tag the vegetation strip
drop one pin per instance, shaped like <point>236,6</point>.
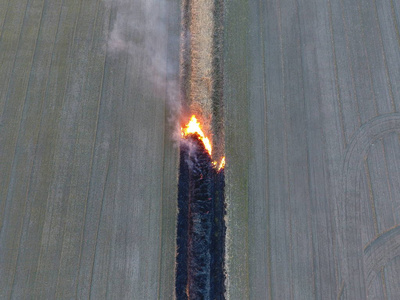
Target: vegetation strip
<point>200,272</point>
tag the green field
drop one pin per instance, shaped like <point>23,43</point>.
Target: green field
<point>88,168</point>
<point>88,163</point>
<point>311,94</point>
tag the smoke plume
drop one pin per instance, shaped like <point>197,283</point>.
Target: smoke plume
<point>149,30</point>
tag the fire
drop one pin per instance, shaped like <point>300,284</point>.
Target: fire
<point>222,164</point>
<point>193,127</point>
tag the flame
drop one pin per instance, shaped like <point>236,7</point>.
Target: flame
<point>222,164</point>
<point>193,127</point>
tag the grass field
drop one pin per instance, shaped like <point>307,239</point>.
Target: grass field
<point>88,168</point>
<point>311,136</point>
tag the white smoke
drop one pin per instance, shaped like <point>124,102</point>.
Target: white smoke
<point>141,29</point>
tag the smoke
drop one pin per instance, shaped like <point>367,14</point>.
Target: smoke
<point>149,30</point>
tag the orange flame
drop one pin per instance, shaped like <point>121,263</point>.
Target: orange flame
<point>193,127</point>
<point>222,164</point>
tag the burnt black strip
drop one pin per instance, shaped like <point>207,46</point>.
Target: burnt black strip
<point>218,237</point>
<point>201,228</point>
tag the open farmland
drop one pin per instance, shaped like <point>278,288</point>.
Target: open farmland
<point>311,94</point>
<point>309,91</point>
<point>88,172</point>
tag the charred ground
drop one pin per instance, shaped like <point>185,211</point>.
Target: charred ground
<point>201,227</point>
